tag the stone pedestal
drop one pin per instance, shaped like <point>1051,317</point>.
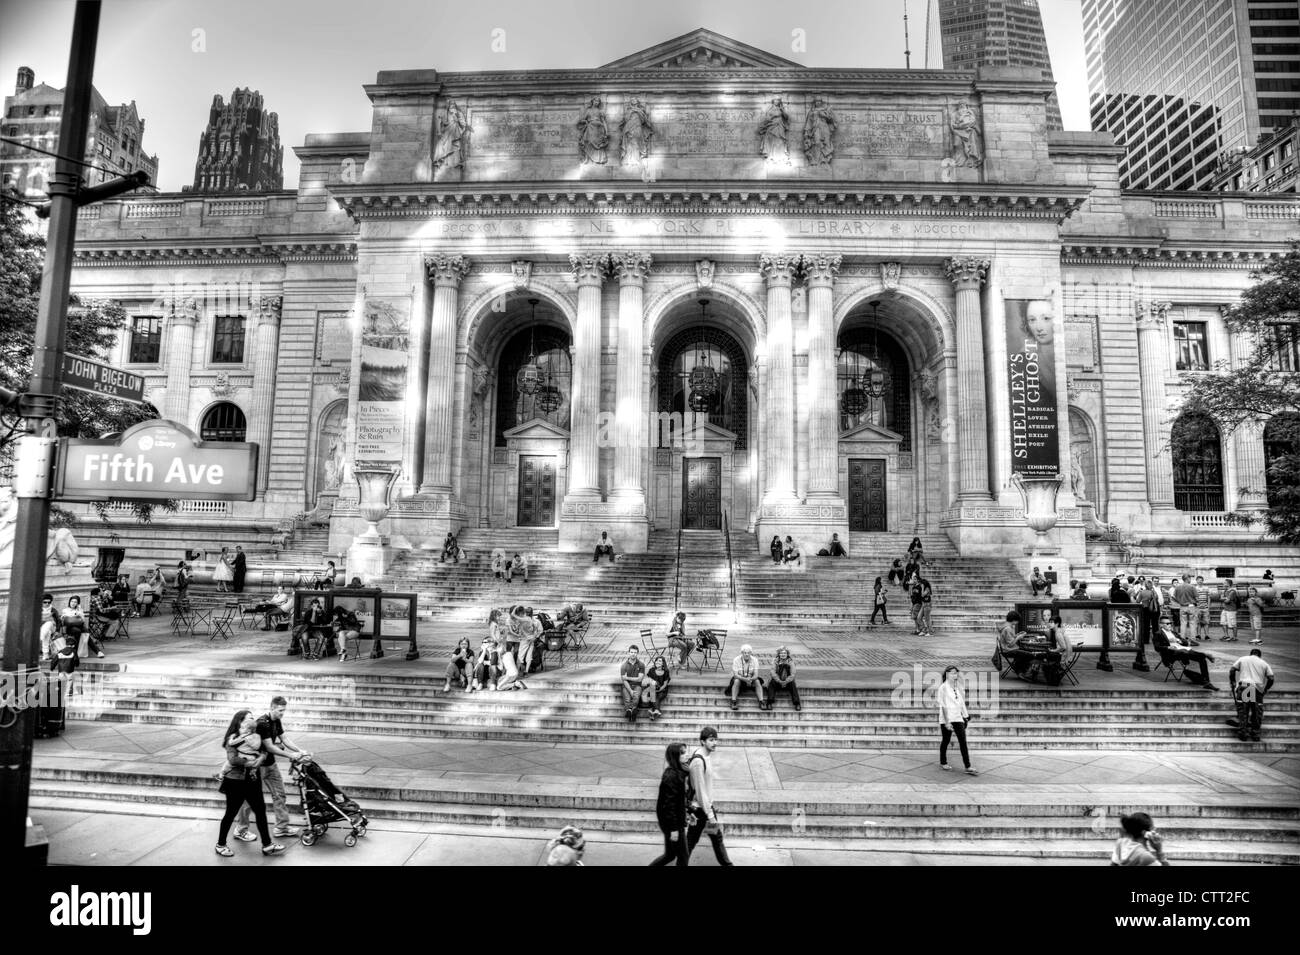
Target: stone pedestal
<point>582,521</point>
<point>811,524</point>
<point>369,558</point>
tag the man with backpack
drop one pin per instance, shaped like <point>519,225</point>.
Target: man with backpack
<point>702,814</point>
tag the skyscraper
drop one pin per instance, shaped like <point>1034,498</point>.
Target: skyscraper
<point>996,33</point>
<point>240,148</point>
<point>114,141</point>
<point>1179,82</point>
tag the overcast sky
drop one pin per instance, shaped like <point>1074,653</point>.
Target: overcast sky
<point>310,57</point>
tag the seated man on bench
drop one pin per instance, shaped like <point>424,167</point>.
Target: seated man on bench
<point>1166,642</point>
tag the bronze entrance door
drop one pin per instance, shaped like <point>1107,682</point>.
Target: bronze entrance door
<point>536,490</point>
<point>867,494</point>
<point>702,493</point>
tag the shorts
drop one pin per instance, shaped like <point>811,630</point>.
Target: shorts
<point>1228,619</point>
<point>1256,622</point>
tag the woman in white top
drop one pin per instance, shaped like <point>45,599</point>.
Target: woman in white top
<point>953,717</point>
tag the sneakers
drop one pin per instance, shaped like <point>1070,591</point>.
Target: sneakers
<point>1253,641</point>
<point>100,654</point>
<point>446,687</point>
<point>945,767</point>
<point>1209,686</point>
<point>243,835</point>
<point>227,851</point>
<point>274,849</point>
<point>284,832</point>
<point>971,772</point>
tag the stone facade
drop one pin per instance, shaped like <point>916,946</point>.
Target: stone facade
<point>538,245</point>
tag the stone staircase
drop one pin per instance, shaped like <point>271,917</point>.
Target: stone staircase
<point>564,707</point>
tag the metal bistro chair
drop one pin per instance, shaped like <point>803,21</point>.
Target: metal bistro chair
<point>223,621</point>
<point>1068,662</point>
<point>124,611</point>
<point>181,612</point>
<point>648,643</point>
<point>710,650</point>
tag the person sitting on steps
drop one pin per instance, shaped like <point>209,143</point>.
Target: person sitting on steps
<point>790,553</point>
<point>632,680</point>
<point>744,676</point>
<point>837,549</point>
<point>460,667</point>
<point>782,678</point>
<point>516,565</point>
<point>776,549</point>
<point>1038,582</point>
<point>604,546</point>
<point>896,575</point>
<point>658,678</point>
<point>450,548</point>
<point>915,552</point>
<point>486,665</point>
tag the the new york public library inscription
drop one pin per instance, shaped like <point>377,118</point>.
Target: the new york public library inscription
<point>683,130</point>
<point>756,227</point>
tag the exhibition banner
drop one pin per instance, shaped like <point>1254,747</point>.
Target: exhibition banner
<point>1031,379</point>
<point>385,364</point>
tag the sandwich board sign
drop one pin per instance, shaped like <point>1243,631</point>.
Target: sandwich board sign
<point>156,461</point>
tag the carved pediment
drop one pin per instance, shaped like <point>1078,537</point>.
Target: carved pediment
<point>703,50</point>
<point>707,436</point>
<point>536,429</point>
<point>871,432</point>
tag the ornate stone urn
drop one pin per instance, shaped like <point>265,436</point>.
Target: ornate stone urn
<point>374,484</point>
<point>1040,504</point>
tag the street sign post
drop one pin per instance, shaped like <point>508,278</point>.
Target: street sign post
<point>156,461</point>
<point>100,379</point>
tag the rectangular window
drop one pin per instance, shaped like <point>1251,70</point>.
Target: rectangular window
<point>1190,353</point>
<point>228,340</point>
<point>1285,341</point>
<point>146,339</point>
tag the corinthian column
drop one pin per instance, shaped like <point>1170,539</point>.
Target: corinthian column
<point>631,269</point>
<point>180,352</point>
<point>262,410</point>
<point>778,271</point>
<point>967,275</point>
<point>445,272</point>
<point>1248,439</point>
<point>1153,365</point>
<point>823,433</point>
<point>589,269</point>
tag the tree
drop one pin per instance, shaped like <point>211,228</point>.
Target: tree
<point>92,329</point>
<point>1264,389</point>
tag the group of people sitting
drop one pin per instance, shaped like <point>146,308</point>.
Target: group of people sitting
<point>1030,655</point>
<point>642,687</point>
<point>322,633</point>
<point>511,649</point>
<point>66,635</point>
<point>787,551</point>
<point>507,568</point>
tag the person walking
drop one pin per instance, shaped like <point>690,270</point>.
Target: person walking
<point>953,718</point>
<point>704,821</point>
<point>1139,843</point>
<point>222,574</point>
<point>274,743</point>
<point>878,602</point>
<point>670,808</point>
<point>1250,678</point>
<point>914,594</point>
<point>927,604</point>
<point>241,784</point>
<point>240,569</point>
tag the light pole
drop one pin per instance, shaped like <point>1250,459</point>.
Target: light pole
<point>36,448</point>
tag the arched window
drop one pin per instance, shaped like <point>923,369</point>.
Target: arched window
<point>727,405</point>
<point>223,422</point>
<point>862,351</point>
<point>1198,464</point>
<point>1281,455</point>
<point>549,347</point>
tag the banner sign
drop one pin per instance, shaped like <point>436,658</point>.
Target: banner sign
<point>1031,378</point>
<point>381,409</point>
<point>156,461</point>
<point>100,379</point>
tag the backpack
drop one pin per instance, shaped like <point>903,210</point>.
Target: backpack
<point>545,621</point>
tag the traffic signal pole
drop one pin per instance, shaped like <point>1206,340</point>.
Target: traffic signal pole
<point>35,460</point>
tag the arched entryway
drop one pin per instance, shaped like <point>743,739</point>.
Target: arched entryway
<point>517,418</point>
<point>1198,463</point>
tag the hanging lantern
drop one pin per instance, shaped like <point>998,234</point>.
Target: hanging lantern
<point>854,401</point>
<point>873,382</point>
<point>699,403</point>
<point>703,379</point>
<point>530,376</point>
<point>548,399</point>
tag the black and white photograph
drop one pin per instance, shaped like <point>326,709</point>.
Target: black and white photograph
<point>550,433</point>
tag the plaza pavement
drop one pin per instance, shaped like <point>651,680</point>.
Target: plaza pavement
<point>149,834</point>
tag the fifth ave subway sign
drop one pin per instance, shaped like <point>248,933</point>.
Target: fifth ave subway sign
<point>156,461</point>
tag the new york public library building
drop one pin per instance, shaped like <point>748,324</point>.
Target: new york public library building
<point>701,280</point>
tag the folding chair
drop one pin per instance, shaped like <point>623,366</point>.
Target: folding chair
<point>1067,666</point>
<point>577,634</point>
<point>181,611</point>
<point>200,618</point>
<point>1003,663</point>
<point>245,606</point>
<point>98,627</point>
<point>1173,666</point>
<point>123,608</point>
<point>648,643</point>
<point>708,650</point>
<point>223,623</point>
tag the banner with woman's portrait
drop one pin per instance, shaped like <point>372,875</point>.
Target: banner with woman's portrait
<point>381,408</point>
<point>1031,380</point>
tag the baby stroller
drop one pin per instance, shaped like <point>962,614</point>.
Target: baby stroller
<point>323,803</point>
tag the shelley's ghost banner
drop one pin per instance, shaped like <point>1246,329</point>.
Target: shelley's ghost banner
<point>381,410</point>
<point>1031,378</point>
